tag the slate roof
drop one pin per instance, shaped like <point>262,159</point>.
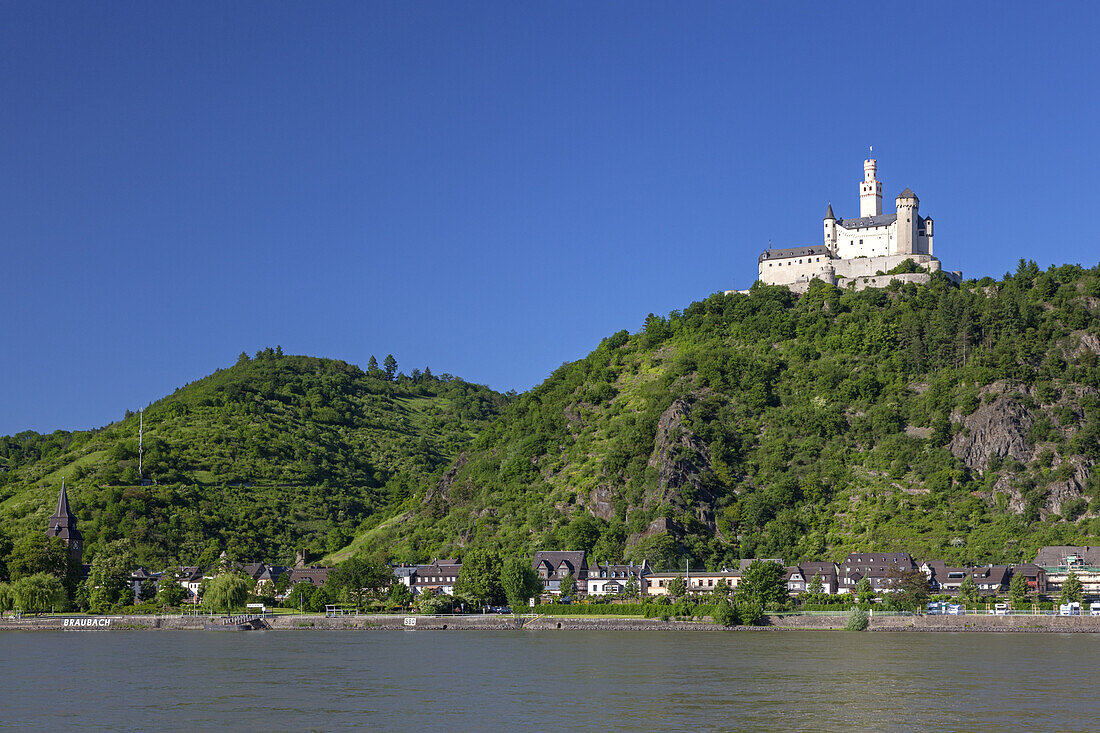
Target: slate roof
<point>866,222</point>
<point>1054,556</point>
<point>616,571</point>
<point>829,211</point>
<point>316,576</point>
<point>995,575</point>
<point>908,194</point>
<point>551,561</point>
<point>438,572</point>
<point>63,522</point>
<point>826,570</point>
<point>778,254</point>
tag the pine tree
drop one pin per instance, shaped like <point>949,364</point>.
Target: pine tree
<point>391,366</point>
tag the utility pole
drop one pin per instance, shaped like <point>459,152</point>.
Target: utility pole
<point>141,442</point>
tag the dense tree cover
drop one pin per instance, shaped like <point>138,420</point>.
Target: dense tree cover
<point>774,425</point>
<point>358,579</point>
<point>274,453</point>
<point>108,583</point>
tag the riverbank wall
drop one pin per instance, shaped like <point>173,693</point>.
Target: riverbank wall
<point>1054,624</point>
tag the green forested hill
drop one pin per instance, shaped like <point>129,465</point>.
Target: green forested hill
<point>961,423</point>
<point>274,453</point>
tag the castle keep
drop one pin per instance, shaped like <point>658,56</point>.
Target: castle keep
<point>860,252</point>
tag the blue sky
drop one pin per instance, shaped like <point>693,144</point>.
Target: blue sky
<point>488,190</point>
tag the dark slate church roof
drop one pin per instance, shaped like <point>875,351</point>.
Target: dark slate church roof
<point>778,254</point>
<point>866,222</point>
<point>63,522</point>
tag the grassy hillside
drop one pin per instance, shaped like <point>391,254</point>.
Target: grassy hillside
<point>961,423</point>
<point>274,453</point>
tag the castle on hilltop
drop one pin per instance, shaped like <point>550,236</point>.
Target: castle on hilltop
<point>866,252</point>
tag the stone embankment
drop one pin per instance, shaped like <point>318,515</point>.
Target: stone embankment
<point>1056,624</point>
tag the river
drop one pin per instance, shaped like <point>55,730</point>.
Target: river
<point>547,680</point>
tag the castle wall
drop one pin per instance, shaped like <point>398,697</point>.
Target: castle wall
<point>793,269</point>
<point>870,242</point>
<point>869,266</point>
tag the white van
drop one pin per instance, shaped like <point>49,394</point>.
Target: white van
<point>1001,609</point>
<point>1070,609</point>
<point>1094,609</point>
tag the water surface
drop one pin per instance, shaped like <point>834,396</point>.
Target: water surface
<point>547,680</point>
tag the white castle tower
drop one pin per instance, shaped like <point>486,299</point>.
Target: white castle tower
<point>870,190</point>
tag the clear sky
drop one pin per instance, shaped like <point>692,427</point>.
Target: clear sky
<point>488,190</point>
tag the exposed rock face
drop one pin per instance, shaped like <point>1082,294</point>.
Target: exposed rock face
<point>438,496</point>
<point>998,428</point>
<point>681,459</point>
<point>1087,342</point>
<point>599,502</point>
<point>1061,492</point>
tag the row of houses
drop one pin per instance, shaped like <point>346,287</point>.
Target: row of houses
<point>191,577</point>
<point>1045,576</point>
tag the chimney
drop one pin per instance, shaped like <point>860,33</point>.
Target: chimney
<point>300,559</point>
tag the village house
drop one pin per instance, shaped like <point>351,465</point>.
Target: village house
<point>315,576</point>
<point>801,576</point>
<point>876,567</point>
<point>1036,577</point>
<point>610,580</point>
<point>991,579</point>
<point>438,576</point>
<point>695,581</point>
<point>553,565</point>
<point>943,578</point>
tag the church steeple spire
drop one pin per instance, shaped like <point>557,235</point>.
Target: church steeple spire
<point>63,526</point>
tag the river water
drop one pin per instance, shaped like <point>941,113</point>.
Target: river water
<point>547,680</point>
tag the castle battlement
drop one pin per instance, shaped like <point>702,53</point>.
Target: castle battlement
<point>859,252</point>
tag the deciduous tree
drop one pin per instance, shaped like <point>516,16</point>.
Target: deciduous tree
<point>520,581</point>
<point>763,583</point>
<point>908,589</point>
<point>227,592</point>
<point>1071,589</point>
<point>968,591</point>
<point>479,578</point>
<point>677,587</point>
<point>109,578</point>
<point>359,578</point>
<point>38,592</point>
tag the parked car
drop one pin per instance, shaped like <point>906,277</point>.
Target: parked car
<point>937,608</point>
<point>1094,609</point>
<point>954,609</point>
<point>1070,609</point>
<point>1001,609</point>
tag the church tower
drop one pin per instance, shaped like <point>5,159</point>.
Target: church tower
<point>63,525</point>
<point>870,190</point>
